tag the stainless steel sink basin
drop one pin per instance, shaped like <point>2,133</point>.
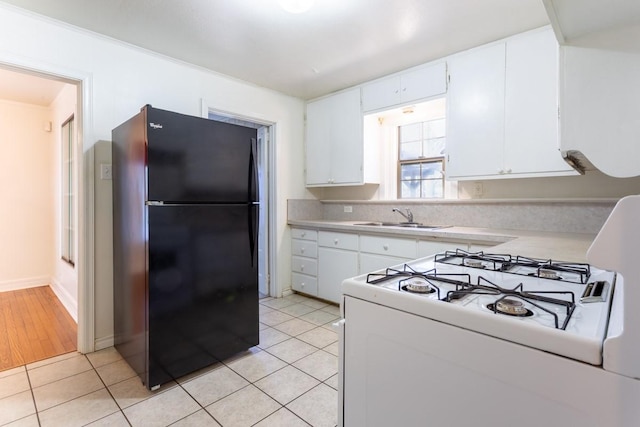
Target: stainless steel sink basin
<point>402,224</point>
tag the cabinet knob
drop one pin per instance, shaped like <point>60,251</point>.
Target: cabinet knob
<point>302,284</point>
<point>508,170</point>
<point>501,171</point>
<point>301,250</point>
<point>385,247</point>
<point>304,233</point>
<point>335,241</point>
<point>301,267</point>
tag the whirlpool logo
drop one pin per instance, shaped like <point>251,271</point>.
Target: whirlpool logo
<point>155,126</point>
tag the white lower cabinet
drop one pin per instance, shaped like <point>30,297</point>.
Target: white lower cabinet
<point>321,260</point>
<point>338,260</point>
<point>377,252</point>
<point>304,261</point>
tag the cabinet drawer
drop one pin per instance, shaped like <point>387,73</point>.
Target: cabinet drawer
<point>305,248</point>
<point>304,265</point>
<point>301,233</point>
<point>338,240</point>
<point>304,283</point>
<point>392,246</point>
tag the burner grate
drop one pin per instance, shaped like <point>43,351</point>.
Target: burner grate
<point>535,298</point>
<point>523,266</point>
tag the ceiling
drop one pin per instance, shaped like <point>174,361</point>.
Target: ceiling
<point>336,44</point>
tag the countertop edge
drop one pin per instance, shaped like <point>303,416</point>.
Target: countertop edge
<point>570,247</point>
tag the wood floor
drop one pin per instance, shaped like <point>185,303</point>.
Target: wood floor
<point>34,325</point>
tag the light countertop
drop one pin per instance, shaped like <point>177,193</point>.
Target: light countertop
<point>571,247</point>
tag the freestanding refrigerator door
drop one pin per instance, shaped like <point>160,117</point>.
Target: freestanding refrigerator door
<point>203,290</point>
<point>191,159</point>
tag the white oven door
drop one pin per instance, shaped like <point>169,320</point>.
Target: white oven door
<point>404,370</point>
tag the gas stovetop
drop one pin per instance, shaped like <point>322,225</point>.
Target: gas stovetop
<point>555,306</point>
<point>547,269</point>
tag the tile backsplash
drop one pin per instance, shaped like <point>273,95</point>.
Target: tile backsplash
<point>571,216</point>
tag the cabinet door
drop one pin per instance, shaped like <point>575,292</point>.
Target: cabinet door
<point>475,113</point>
<point>346,139</point>
<point>424,82</point>
<point>318,149</point>
<point>335,265</point>
<point>531,105</point>
<point>334,144</point>
<point>381,94</point>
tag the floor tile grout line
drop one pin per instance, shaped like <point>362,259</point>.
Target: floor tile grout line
<point>121,410</point>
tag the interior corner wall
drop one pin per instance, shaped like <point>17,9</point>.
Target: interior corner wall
<point>26,191</point>
<point>65,276</point>
<point>118,79</point>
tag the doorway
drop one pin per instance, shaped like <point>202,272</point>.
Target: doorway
<point>42,102</point>
<point>264,131</point>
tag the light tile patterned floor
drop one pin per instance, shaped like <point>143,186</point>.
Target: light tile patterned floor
<point>290,379</point>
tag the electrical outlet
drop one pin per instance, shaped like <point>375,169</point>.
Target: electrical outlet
<point>478,190</point>
<point>105,171</point>
<point>348,209</point>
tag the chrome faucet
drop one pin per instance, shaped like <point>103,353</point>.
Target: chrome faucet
<point>408,215</point>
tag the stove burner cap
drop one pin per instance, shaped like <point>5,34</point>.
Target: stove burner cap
<point>475,263</point>
<point>510,306</point>
<point>417,285</point>
<point>548,274</point>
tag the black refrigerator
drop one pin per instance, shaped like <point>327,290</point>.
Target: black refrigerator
<point>185,227</point>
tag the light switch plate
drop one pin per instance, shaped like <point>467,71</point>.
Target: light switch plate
<point>105,171</point>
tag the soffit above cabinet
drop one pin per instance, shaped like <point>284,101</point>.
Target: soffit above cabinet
<point>597,23</point>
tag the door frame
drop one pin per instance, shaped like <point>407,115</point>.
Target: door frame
<point>85,171</point>
<point>269,167</point>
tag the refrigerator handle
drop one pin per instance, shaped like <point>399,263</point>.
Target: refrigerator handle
<point>253,232</point>
<point>253,172</point>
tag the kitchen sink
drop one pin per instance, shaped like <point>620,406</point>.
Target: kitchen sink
<point>402,224</point>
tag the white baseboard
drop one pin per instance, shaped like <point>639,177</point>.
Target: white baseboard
<point>68,301</point>
<point>287,292</point>
<point>105,342</point>
<point>30,282</point>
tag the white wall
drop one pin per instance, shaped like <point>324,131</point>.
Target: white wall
<point>26,192</point>
<point>120,79</point>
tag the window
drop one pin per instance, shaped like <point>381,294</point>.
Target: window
<point>67,194</point>
<point>421,148</point>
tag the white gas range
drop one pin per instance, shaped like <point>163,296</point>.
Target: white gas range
<point>463,339</point>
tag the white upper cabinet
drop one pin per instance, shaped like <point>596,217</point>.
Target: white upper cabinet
<point>531,106</point>
<point>503,110</point>
<point>475,113</point>
<point>406,87</point>
<point>334,142</point>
